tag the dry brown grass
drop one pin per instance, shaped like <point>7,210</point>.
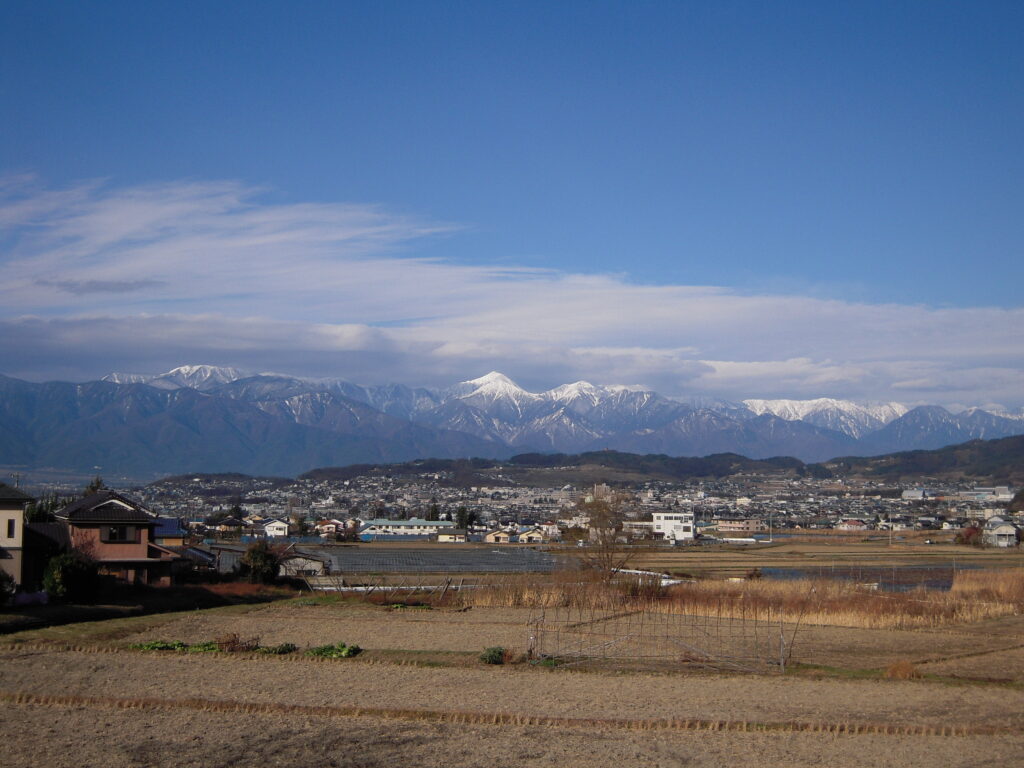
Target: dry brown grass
<point>840,603</point>
<point>232,643</point>
<point>976,596</point>
<point>561,589</point>
<point>999,585</point>
<point>26,698</point>
<point>902,670</point>
<point>246,591</point>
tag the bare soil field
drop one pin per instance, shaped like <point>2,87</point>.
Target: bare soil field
<point>823,552</point>
<point>1000,665</point>
<point>524,690</point>
<point>416,629</point>
<point>108,705</point>
<point>365,625</point>
<point>53,737</point>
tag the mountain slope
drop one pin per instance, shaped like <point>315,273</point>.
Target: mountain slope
<point>218,419</point>
<point>140,430</point>
<point>999,461</point>
<point>838,415</point>
<point>931,426</point>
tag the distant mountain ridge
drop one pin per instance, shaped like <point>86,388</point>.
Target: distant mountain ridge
<point>201,417</point>
<point>841,415</point>
<point>1000,461</point>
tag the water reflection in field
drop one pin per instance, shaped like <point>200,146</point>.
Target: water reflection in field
<point>898,578</point>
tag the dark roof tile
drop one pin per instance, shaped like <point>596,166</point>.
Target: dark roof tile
<point>53,533</point>
<point>10,493</point>
<point>106,507</point>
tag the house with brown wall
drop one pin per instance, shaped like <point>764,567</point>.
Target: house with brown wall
<point>117,533</point>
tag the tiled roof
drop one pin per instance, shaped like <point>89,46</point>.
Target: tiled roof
<point>54,533</point>
<point>10,493</point>
<point>105,507</point>
<point>168,526</point>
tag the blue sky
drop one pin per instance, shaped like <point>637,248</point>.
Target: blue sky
<point>853,169</point>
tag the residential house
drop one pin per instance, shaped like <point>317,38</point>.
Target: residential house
<point>117,533</point>
<point>328,528</point>
<point>275,528</point>
<point>852,524</point>
<point>169,532</point>
<point>551,531</point>
<point>999,532</point>
<point>748,526</point>
<point>499,536</point>
<point>12,530</point>
<point>229,525</point>
<point>531,535</point>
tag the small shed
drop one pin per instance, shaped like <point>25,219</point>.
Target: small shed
<point>453,536</point>
<point>305,564</point>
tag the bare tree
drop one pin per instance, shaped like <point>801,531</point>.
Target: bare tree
<point>606,552</point>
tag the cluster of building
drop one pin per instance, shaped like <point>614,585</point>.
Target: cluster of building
<point>126,540</point>
<point>133,543</point>
<point>428,505</point>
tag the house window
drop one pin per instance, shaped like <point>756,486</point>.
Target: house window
<point>10,528</point>
<point>117,534</point>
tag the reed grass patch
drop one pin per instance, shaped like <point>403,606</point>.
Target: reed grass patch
<point>974,596</point>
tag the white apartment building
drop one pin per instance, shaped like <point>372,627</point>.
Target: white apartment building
<point>676,525</point>
<point>414,526</point>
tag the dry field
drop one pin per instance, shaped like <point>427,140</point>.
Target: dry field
<point>78,695</point>
<point>825,551</point>
<point>53,737</point>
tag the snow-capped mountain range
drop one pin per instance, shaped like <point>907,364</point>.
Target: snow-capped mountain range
<point>201,377</point>
<point>502,409</point>
<point>841,415</point>
<point>200,417</point>
<point>582,415</point>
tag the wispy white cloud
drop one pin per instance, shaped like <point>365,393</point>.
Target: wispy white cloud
<point>98,277</point>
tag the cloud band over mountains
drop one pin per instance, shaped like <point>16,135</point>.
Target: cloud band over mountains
<point>100,278</point>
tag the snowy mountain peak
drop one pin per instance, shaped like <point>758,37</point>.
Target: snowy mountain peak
<point>126,378</point>
<point>205,371</point>
<point>492,386</point>
<point>886,412</point>
<point>793,410</point>
<point>579,397</point>
<point>496,394</point>
<point>575,390</point>
<point>840,415</point>
<point>184,376</point>
<point>201,376</point>
<point>492,380</point>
